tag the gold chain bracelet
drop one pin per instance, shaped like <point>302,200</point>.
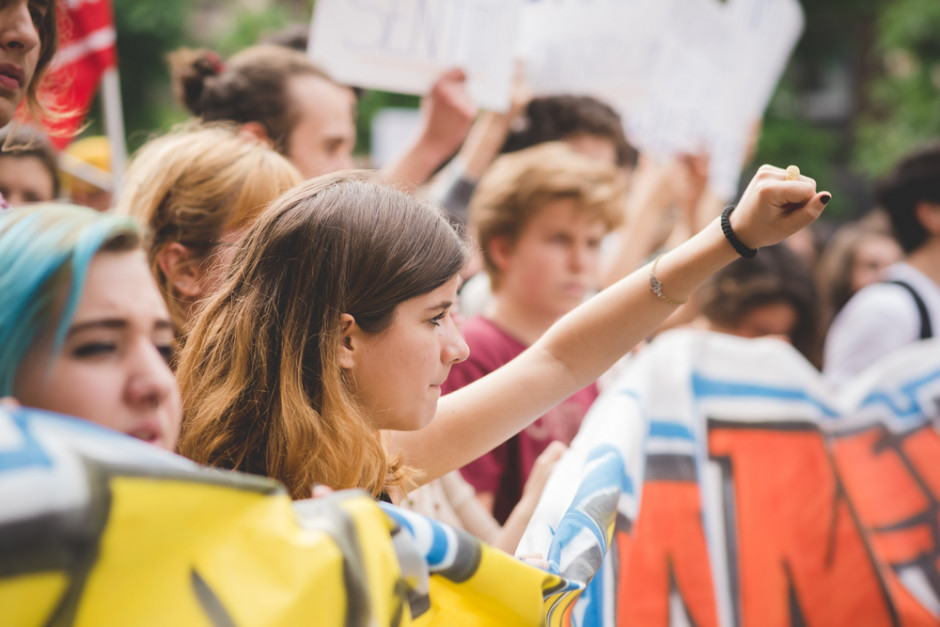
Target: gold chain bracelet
<point>656,286</point>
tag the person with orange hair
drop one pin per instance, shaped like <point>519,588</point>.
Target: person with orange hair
<point>195,191</point>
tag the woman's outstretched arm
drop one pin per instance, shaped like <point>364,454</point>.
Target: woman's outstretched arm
<point>588,340</point>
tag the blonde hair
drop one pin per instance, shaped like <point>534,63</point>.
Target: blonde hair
<point>263,390</point>
<point>192,185</point>
<point>518,185</point>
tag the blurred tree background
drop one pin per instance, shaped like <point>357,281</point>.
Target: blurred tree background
<point>862,87</point>
<point>147,30</point>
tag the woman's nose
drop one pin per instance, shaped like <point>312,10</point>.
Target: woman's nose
<point>150,379</point>
<point>455,348</point>
<point>17,29</point>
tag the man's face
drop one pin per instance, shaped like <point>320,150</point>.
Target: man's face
<point>553,264</point>
<point>324,134</point>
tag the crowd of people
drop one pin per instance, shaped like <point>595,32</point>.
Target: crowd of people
<point>433,332</point>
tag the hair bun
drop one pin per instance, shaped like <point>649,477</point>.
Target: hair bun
<point>189,70</point>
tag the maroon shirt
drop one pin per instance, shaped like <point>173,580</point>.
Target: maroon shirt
<point>505,469</point>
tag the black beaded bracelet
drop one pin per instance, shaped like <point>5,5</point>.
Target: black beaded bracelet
<point>738,245</point>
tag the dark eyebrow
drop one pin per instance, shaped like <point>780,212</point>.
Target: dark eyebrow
<point>442,306</point>
<point>113,323</point>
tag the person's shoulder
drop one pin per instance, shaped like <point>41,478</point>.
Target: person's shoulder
<point>878,300</point>
<point>878,319</point>
<point>925,287</point>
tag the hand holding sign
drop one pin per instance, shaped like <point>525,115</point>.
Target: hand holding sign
<point>448,113</point>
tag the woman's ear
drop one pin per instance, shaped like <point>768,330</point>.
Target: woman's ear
<point>181,269</point>
<point>254,131</point>
<point>348,341</point>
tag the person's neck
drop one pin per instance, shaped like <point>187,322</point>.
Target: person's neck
<point>927,259</point>
<point>515,318</point>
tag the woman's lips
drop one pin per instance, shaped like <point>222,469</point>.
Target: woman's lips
<point>149,432</point>
<point>11,77</point>
<point>9,82</point>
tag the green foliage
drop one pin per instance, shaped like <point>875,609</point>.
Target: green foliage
<point>905,95</point>
<point>887,53</point>
<point>250,27</point>
<point>146,31</point>
<point>369,104</point>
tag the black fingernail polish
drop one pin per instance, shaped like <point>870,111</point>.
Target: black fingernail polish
<point>825,198</point>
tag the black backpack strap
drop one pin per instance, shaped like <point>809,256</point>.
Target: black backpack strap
<point>926,331</point>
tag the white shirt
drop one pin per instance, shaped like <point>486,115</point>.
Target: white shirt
<point>878,320</point>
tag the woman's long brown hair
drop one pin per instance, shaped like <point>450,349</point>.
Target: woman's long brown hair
<point>262,386</point>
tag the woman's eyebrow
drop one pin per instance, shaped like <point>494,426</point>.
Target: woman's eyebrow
<point>444,305</point>
<point>106,323</point>
<point>116,324</point>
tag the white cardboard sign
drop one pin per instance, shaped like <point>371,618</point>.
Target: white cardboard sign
<point>686,76</point>
<point>404,45</point>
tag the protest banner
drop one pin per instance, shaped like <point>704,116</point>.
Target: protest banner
<point>98,528</point>
<point>723,482</point>
<point>404,45</point>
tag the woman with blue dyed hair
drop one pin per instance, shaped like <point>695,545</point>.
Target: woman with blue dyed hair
<point>84,330</point>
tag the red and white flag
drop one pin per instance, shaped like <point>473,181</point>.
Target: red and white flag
<point>87,49</point>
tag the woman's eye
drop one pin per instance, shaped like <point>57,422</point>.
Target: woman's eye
<point>93,349</point>
<point>37,12</point>
<point>436,320</point>
<point>166,351</point>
